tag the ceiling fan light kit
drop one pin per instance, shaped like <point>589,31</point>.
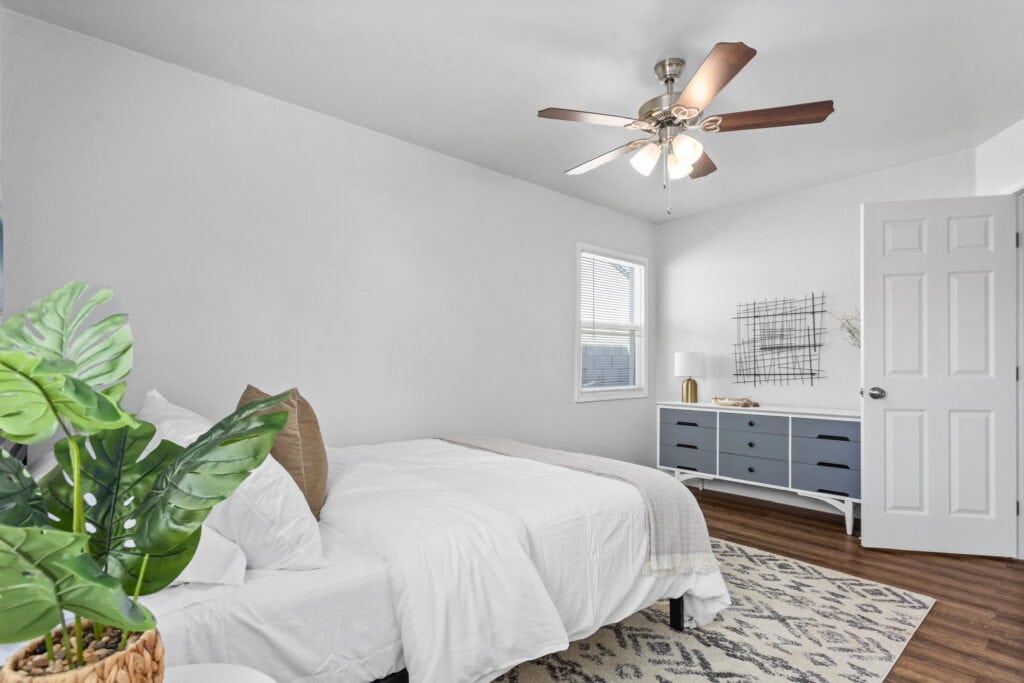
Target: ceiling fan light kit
<point>669,118</point>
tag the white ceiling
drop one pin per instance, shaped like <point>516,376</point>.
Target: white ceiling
<point>910,79</point>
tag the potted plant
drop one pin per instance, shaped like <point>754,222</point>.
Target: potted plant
<point>105,525</point>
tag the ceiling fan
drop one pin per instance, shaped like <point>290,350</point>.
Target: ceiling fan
<point>666,119</point>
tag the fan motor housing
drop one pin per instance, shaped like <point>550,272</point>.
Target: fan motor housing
<point>657,108</point>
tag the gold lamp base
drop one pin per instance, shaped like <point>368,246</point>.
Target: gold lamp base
<point>690,390</point>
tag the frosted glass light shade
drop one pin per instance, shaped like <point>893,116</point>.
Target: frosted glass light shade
<point>646,159</point>
<point>677,170</point>
<point>686,149</point>
<point>689,364</point>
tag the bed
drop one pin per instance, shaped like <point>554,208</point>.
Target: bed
<point>495,560</point>
<point>450,562</point>
<point>316,626</point>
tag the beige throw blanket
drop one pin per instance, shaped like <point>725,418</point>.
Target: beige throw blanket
<point>679,542</point>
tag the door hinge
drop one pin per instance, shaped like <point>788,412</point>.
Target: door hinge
<point>1018,508</point>
<point>1018,240</point>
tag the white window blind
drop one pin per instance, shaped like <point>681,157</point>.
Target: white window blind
<point>611,326</point>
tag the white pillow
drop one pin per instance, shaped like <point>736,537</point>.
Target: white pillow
<point>266,516</point>
<point>217,560</point>
<point>172,422</point>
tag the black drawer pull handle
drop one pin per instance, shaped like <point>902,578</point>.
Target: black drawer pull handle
<point>750,444</point>
<point>834,464</point>
<point>685,445</point>
<point>750,424</point>
<point>835,493</point>
<point>833,437</point>
<point>687,424</point>
<point>684,467</point>
<point>750,469</point>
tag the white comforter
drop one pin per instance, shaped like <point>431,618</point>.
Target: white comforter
<point>496,560</point>
<point>329,625</point>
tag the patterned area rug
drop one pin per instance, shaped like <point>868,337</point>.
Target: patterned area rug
<point>789,621</point>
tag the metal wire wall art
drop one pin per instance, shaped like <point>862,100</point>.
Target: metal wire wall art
<point>779,341</point>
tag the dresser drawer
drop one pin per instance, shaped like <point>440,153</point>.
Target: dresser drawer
<point>835,430</point>
<point>759,470</point>
<point>687,458</point>
<point>772,446</point>
<point>826,480</point>
<point>761,424</point>
<point>698,437</point>
<point>814,451</point>
<point>689,418</point>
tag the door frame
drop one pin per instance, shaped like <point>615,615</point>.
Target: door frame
<point>1019,192</point>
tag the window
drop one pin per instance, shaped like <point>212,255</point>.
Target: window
<point>610,337</point>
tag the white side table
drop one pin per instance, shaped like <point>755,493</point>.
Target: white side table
<point>214,673</point>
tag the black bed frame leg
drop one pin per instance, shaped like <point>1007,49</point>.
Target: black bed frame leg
<point>675,614</point>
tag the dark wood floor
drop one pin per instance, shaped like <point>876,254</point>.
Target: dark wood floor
<point>975,631</point>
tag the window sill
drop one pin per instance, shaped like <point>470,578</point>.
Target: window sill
<point>586,396</point>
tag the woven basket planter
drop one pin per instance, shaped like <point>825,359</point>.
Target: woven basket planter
<point>142,661</point>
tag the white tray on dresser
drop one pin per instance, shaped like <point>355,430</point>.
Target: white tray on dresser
<point>810,452</point>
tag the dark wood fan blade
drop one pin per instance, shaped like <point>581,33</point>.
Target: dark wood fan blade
<point>587,117</point>
<point>606,157</point>
<point>703,167</point>
<point>723,62</point>
<point>793,115</point>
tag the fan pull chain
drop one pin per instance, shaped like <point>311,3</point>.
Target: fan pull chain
<point>664,167</point>
<point>666,182</point>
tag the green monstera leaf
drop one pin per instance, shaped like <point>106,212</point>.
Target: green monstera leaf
<point>115,480</point>
<point>37,394</point>
<point>21,502</point>
<point>43,570</point>
<point>206,473</point>
<point>52,328</point>
<point>155,506</point>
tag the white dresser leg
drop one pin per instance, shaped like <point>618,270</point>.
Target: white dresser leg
<point>844,505</point>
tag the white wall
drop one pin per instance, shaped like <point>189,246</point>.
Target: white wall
<point>784,246</point>
<point>2,216</point>
<point>406,293</point>
<point>1000,162</point>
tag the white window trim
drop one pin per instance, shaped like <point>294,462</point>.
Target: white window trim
<point>611,393</point>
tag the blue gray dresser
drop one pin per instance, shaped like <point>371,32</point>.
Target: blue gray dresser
<point>812,453</point>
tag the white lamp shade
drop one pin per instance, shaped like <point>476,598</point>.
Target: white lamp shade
<point>646,159</point>
<point>689,364</point>
<point>675,169</point>
<point>686,149</point>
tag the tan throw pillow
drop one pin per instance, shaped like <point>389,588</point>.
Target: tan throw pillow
<point>299,446</point>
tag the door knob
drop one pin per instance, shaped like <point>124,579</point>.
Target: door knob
<point>876,392</point>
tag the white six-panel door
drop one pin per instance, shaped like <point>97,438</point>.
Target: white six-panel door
<point>939,290</point>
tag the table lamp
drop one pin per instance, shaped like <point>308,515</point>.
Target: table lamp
<point>689,364</point>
